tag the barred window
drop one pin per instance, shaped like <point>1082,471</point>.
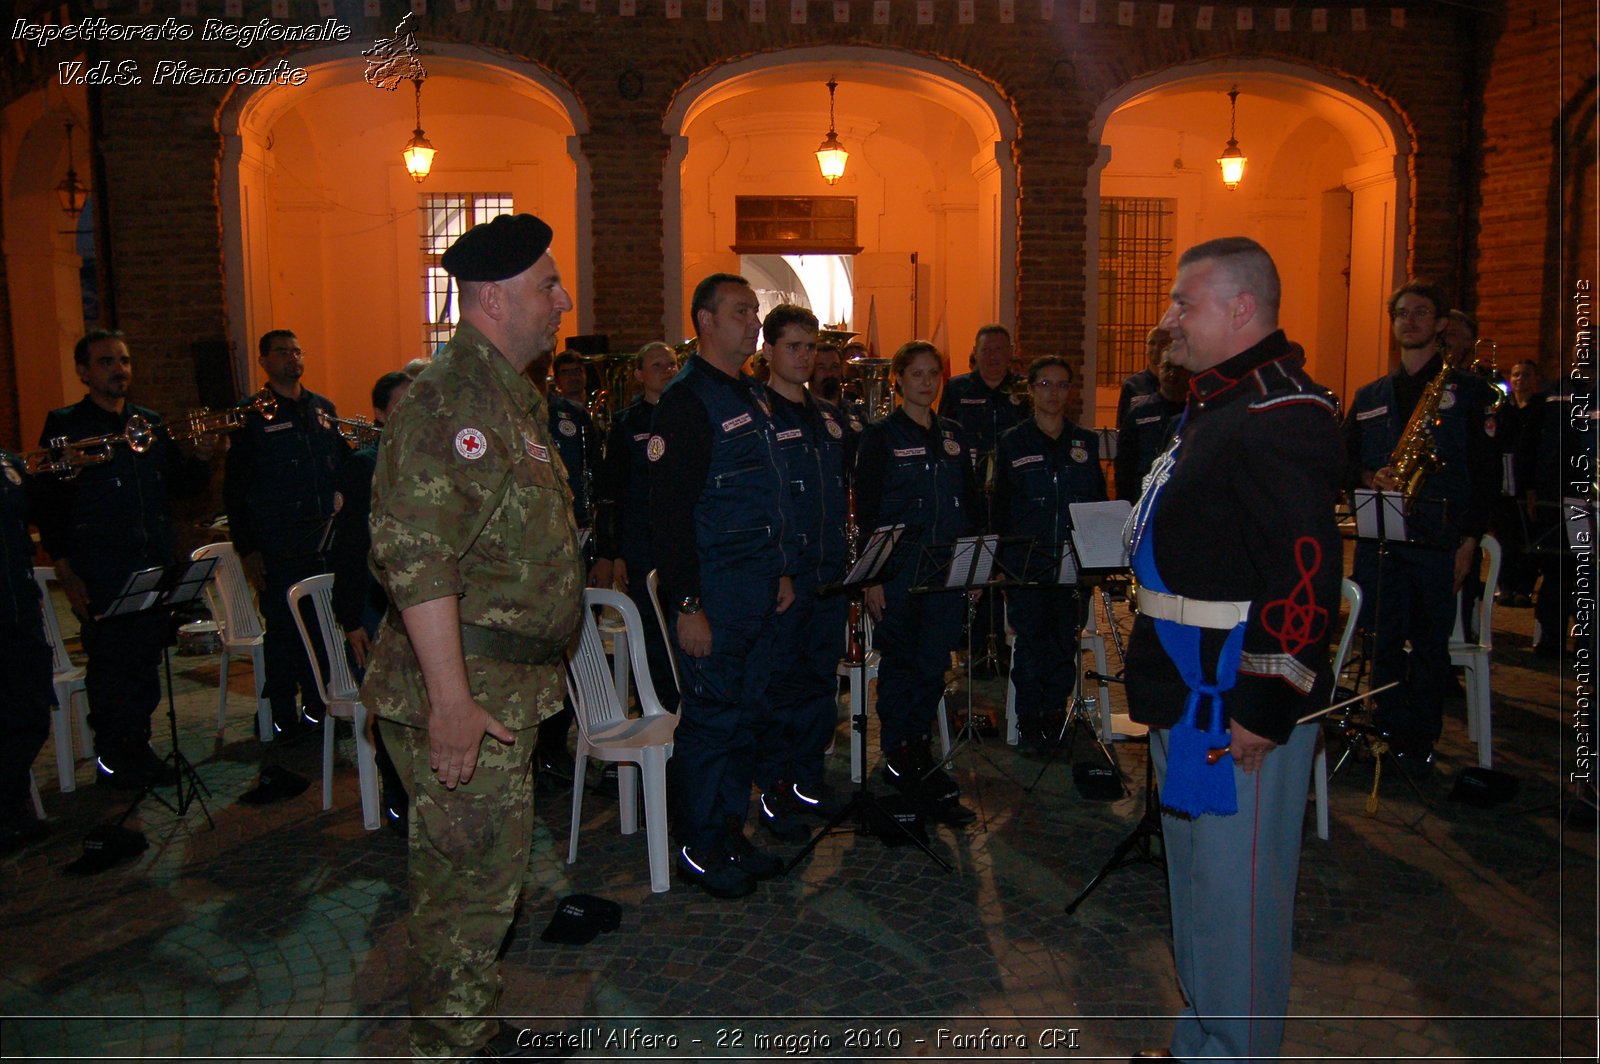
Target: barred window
<point>1136,239</point>
<point>445,216</point>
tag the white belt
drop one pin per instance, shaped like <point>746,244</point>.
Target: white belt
<point>1196,612</point>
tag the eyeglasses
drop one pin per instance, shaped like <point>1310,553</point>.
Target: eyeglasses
<point>1059,386</point>
<point>1415,313</point>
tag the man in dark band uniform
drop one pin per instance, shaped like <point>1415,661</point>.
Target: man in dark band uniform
<point>1238,630</point>
<point>812,446</point>
<point>278,487</point>
<point>1412,592</point>
<point>101,526</point>
<point>982,402</point>
<point>1143,427</point>
<point>717,498</point>
<point>623,552</point>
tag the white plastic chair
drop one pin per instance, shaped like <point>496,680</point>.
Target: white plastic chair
<point>652,582</point>
<point>1474,658</point>
<point>69,684</point>
<point>1351,592</point>
<point>338,689</point>
<point>607,733</point>
<point>234,610</point>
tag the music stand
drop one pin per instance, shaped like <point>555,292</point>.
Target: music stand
<point>1140,845</point>
<point>1093,550</point>
<point>974,566</point>
<point>160,592</point>
<point>1381,517</point>
<point>871,567</point>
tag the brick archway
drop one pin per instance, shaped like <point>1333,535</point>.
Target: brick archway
<point>1373,175</point>
<point>972,105</point>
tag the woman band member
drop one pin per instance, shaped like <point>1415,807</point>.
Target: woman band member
<point>912,469</point>
<point>1043,466</point>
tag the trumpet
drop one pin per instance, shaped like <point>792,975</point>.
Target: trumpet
<point>205,422</point>
<point>67,458</point>
<point>358,431</point>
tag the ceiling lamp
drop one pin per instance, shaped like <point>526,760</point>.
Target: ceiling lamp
<point>71,192</point>
<point>418,153</point>
<point>1232,160</point>
<point>831,156</point>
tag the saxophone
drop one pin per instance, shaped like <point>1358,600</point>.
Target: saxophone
<point>1416,456</point>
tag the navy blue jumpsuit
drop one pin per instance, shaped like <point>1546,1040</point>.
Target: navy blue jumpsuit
<point>920,477</point>
<point>718,507</point>
<point>1037,478</point>
<point>812,443</point>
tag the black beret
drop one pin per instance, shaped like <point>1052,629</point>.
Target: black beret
<point>502,248</point>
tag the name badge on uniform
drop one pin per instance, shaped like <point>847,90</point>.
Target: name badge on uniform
<point>735,422</point>
<point>1152,419</point>
<point>1368,415</point>
<point>1027,459</point>
<point>640,437</point>
<point>974,402</point>
<point>279,426</point>
<point>909,452</point>
<point>567,427</point>
<point>1079,453</point>
<point>537,451</point>
<point>951,447</point>
<point>790,434</point>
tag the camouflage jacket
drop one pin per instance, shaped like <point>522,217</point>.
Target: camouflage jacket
<point>470,499</point>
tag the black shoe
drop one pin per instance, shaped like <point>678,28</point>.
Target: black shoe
<point>780,813</point>
<point>950,812</point>
<point>507,1045</point>
<point>749,858</point>
<point>396,811</point>
<point>1416,764</point>
<point>818,800</point>
<point>714,872</point>
<point>289,726</point>
<point>899,771</point>
<point>132,767</point>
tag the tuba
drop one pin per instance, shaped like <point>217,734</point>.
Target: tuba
<point>867,383</point>
<point>612,394</point>
<point>1416,456</point>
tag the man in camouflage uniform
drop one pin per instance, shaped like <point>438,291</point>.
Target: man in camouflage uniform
<point>473,538</point>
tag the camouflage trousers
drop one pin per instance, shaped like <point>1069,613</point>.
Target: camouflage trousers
<point>468,856</point>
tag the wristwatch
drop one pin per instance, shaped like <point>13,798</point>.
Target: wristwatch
<point>690,604</point>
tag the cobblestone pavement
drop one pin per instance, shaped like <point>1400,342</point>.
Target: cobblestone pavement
<point>1435,930</point>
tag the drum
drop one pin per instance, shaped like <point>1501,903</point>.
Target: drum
<point>198,638</point>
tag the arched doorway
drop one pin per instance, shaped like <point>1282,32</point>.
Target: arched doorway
<point>1325,191</point>
<point>930,172</point>
<point>326,234</point>
<point>47,250</point>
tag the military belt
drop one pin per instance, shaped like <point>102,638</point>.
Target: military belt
<point>506,646</point>
<point>1196,612</point>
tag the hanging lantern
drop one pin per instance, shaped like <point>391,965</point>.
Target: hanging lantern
<point>831,155</point>
<point>418,152</point>
<point>1232,159</point>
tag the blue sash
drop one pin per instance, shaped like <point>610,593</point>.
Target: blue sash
<point>1192,787</point>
